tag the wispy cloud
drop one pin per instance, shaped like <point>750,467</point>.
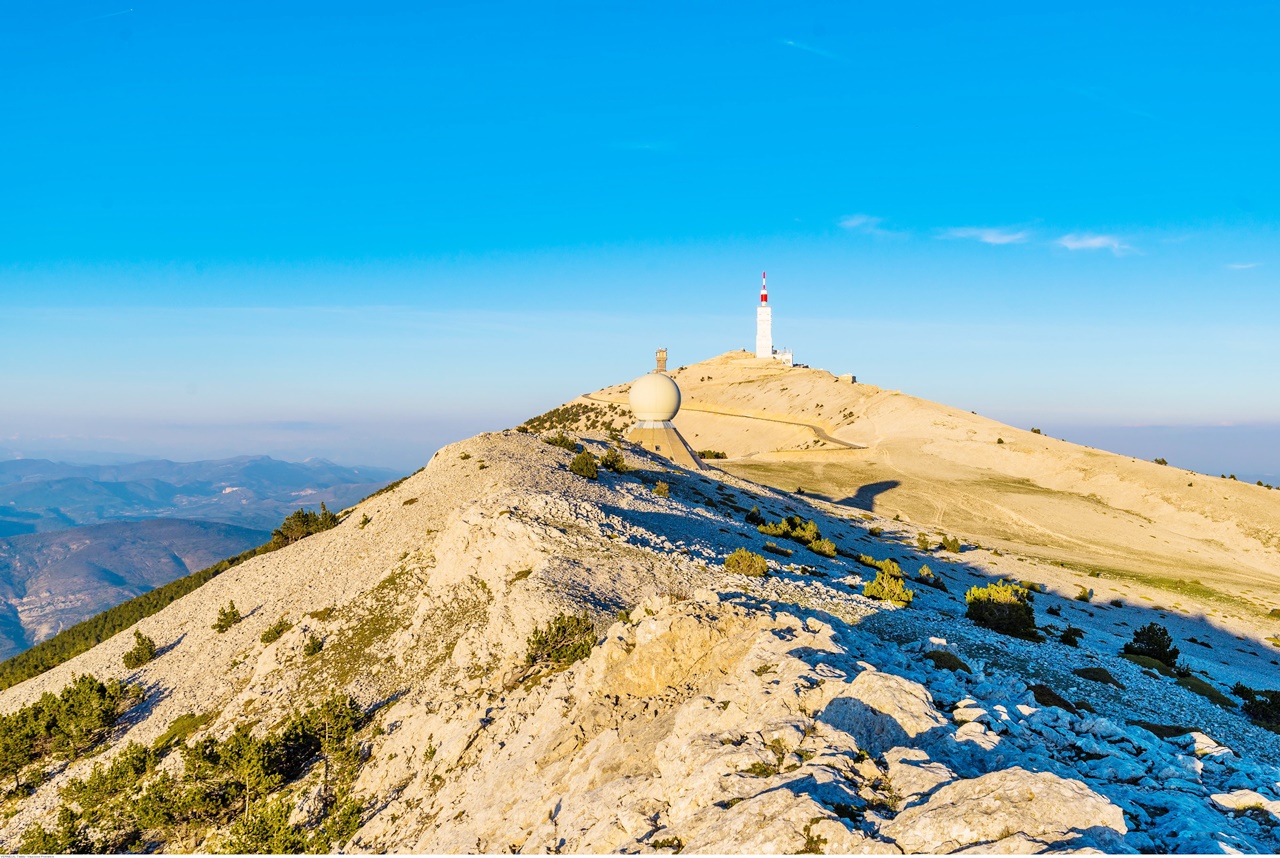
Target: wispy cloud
<point>1240,266</point>
<point>867,225</point>
<point>108,15</point>
<point>800,46</point>
<point>1092,241</point>
<point>988,235</point>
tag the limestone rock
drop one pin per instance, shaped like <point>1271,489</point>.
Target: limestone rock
<point>913,776</point>
<point>983,811</point>
<point>882,711</point>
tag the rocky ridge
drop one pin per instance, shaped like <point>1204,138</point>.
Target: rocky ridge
<point>716,713</point>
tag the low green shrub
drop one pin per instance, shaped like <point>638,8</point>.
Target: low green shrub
<point>565,639</point>
<point>275,630</point>
<point>301,524</point>
<point>1085,595</point>
<point>562,441</point>
<point>1165,731</point>
<point>927,577</point>
<point>1149,663</point>
<point>1097,674</point>
<point>180,729</point>
<point>923,542</point>
<point>952,544</point>
<point>1262,707</point>
<point>144,649</point>
<point>947,661</point>
<point>1004,608</point>
<point>313,646</point>
<point>1154,641</point>
<point>888,588</point>
<point>744,562</point>
<point>584,465</point>
<point>1204,689</point>
<point>613,460</point>
<point>772,548</point>
<point>227,617</point>
<point>823,547</point>
<point>711,454</point>
<point>1046,696</point>
<point>754,516</point>
<point>1071,636</point>
<point>794,528</point>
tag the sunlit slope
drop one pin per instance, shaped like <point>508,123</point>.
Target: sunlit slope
<point>990,483</point>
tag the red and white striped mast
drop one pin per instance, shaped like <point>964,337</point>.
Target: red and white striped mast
<point>764,321</point>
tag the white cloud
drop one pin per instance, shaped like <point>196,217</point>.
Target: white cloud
<point>800,46</point>
<point>988,235</point>
<point>1240,266</point>
<point>1090,241</point>
<point>867,225</point>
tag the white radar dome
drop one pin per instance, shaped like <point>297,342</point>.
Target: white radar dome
<point>655,397</point>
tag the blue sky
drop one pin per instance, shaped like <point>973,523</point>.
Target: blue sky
<point>363,230</point>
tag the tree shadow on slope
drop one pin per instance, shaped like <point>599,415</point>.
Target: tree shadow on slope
<point>865,497</point>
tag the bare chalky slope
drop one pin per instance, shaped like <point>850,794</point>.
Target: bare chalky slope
<point>538,661</point>
<point>1151,534</point>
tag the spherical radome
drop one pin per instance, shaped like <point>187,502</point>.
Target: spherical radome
<point>655,397</point>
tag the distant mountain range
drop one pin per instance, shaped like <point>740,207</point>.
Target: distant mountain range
<point>49,581</point>
<point>77,539</point>
<point>37,495</point>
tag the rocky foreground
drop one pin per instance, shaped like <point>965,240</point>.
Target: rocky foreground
<point>712,712</point>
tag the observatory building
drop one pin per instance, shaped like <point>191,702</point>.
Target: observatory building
<point>764,328</point>
<point>655,401</point>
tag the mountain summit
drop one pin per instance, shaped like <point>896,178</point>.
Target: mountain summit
<point>551,641</point>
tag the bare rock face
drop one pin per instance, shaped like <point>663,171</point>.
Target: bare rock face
<point>1036,811</point>
<point>883,711</point>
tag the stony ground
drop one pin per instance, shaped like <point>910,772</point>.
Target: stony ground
<point>717,713</point>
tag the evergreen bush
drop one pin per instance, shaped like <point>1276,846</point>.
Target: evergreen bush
<point>562,441</point>
<point>301,524</point>
<point>1003,607</point>
<point>794,528</point>
<point>744,562</point>
<point>584,465</point>
<point>276,630</point>
<point>613,460</point>
<point>823,547</point>
<point>144,649</point>
<point>227,617</point>
<point>566,639</point>
<point>754,517</point>
<point>888,588</point>
<point>1262,707</point>
<point>1153,641</point>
